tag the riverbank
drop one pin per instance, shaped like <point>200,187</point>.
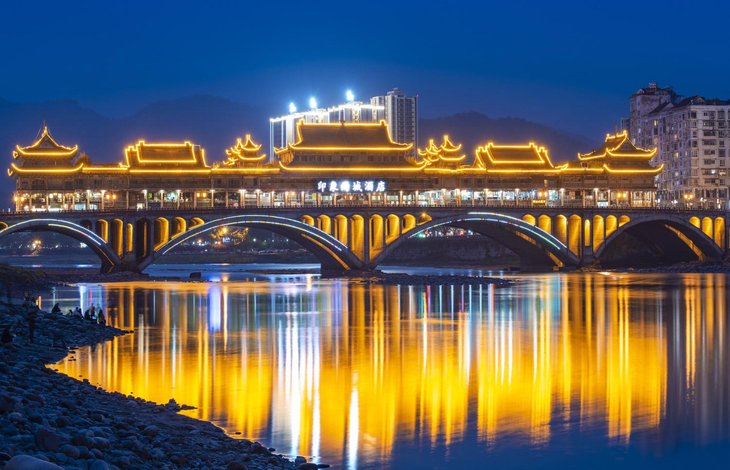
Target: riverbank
<point>679,268</point>
<point>54,418</point>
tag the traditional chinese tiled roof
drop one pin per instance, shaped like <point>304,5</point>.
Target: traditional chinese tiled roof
<point>353,137</point>
<point>617,154</point>
<point>46,156</point>
<point>445,155</point>
<point>45,147</point>
<point>244,153</point>
<point>514,158</point>
<point>172,156</point>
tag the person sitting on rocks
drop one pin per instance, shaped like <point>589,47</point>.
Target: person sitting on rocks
<point>7,336</point>
<point>78,312</point>
<point>56,308</point>
<point>92,313</point>
<point>70,312</point>
<point>100,316</point>
<point>87,314</point>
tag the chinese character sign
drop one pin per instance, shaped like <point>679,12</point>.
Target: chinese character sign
<point>349,187</point>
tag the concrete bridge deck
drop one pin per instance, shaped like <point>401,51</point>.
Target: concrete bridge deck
<point>346,238</point>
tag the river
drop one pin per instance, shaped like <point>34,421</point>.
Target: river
<point>558,370</point>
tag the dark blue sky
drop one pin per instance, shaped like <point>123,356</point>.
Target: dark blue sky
<point>570,65</point>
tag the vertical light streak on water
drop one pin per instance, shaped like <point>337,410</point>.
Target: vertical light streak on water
<point>353,428</point>
<point>510,346</point>
<point>82,297</point>
<point>316,426</point>
<point>451,303</point>
<point>534,315</point>
<point>294,387</point>
<point>424,337</point>
<point>214,308</point>
<point>224,316</point>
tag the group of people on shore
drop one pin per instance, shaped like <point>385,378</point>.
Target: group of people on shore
<point>93,314</point>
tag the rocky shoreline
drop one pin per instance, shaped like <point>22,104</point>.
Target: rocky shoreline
<point>49,420</point>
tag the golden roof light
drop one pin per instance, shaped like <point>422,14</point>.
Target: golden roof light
<point>244,152</point>
<point>529,158</point>
<point>165,156</point>
<point>344,136</point>
<point>445,155</point>
<point>618,145</point>
<point>45,146</point>
<point>617,155</point>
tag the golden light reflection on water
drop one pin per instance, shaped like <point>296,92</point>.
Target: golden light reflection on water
<point>348,371</point>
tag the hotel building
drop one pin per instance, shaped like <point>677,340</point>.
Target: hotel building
<point>330,164</point>
<point>692,138</point>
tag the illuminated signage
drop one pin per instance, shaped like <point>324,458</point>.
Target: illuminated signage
<point>347,186</point>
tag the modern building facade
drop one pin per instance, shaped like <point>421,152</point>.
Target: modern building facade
<point>692,138</point>
<point>401,114</point>
<point>333,164</point>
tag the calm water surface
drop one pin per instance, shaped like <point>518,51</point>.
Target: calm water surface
<point>559,370</point>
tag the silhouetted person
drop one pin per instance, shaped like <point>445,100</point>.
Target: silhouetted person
<point>92,313</point>
<point>56,308</point>
<point>100,316</point>
<point>79,312</point>
<point>87,314</point>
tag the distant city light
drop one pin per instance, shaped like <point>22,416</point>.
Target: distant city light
<point>292,107</point>
<point>349,95</point>
<point>313,102</point>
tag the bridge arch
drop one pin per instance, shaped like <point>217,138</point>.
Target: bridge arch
<point>672,235</point>
<point>332,253</point>
<point>109,259</point>
<point>532,244</point>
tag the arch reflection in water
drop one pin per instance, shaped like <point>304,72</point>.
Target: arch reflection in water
<point>357,374</point>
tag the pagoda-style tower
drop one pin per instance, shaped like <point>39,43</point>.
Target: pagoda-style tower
<point>447,155</point>
<point>245,154</point>
<point>45,154</point>
<point>617,155</point>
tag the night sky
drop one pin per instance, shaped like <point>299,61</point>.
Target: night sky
<point>571,66</point>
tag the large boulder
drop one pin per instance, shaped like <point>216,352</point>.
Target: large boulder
<point>27,462</point>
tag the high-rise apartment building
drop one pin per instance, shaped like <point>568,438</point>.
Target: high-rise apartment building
<point>692,136</point>
<point>401,114</point>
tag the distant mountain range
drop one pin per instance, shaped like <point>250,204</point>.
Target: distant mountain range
<point>215,123</point>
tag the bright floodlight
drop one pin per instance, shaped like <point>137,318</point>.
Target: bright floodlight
<point>292,107</point>
<point>349,95</point>
<point>313,102</point>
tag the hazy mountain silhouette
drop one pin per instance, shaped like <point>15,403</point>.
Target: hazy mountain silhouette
<point>473,129</point>
<point>215,122</point>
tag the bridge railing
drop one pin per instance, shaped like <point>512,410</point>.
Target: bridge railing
<point>507,205</point>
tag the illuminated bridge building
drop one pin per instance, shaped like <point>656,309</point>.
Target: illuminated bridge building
<point>351,195</point>
<point>331,164</point>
